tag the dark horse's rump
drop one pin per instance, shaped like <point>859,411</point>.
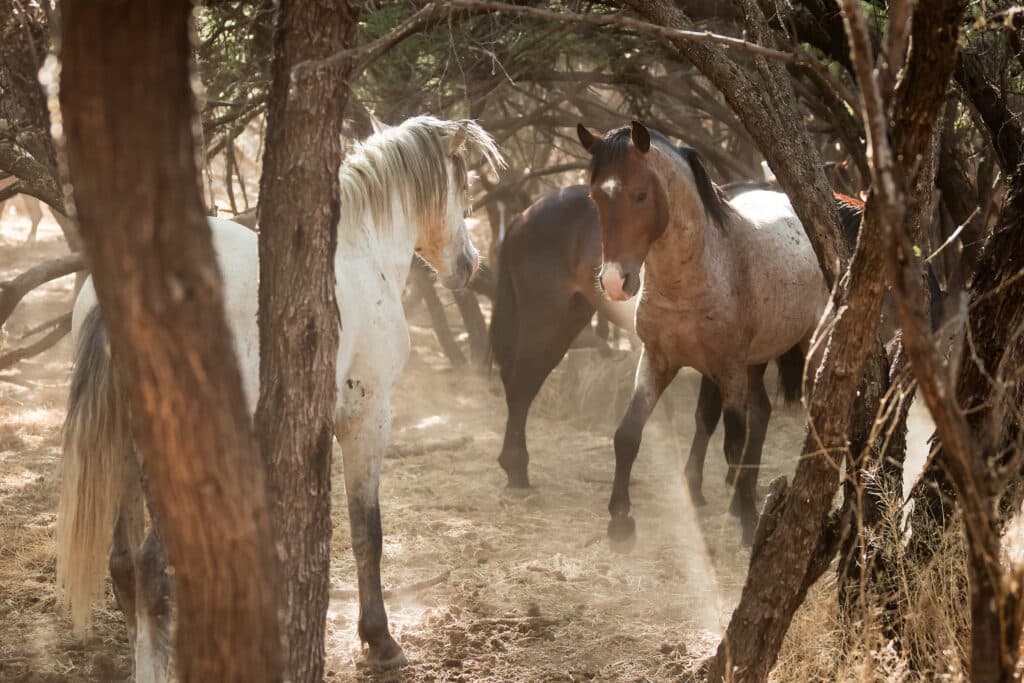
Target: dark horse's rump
<point>541,257</point>
<point>545,297</point>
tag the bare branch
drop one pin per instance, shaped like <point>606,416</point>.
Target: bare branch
<point>365,55</point>
<point>61,328</point>
<point>14,290</point>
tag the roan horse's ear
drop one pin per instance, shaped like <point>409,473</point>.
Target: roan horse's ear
<point>587,139</point>
<point>457,140</point>
<point>641,137</point>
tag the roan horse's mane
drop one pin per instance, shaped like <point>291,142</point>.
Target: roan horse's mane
<point>407,161</point>
<point>614,147</point>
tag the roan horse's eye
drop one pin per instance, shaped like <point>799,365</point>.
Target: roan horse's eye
<point>640,197</point>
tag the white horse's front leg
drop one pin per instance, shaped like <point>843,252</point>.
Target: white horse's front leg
<point>363,434</point>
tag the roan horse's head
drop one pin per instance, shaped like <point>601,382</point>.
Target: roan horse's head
<point>631,202</point>
<point>444,242</point>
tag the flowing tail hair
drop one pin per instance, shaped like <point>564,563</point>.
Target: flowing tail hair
<point>97,445</point>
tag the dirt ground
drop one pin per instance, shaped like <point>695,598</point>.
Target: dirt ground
<point>524,585</point>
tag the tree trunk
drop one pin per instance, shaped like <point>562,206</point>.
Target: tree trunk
<point>991,409</point>
<point>298,314</point>
<point>128,113</point>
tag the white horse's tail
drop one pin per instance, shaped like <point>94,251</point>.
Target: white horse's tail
<point>96,444</point>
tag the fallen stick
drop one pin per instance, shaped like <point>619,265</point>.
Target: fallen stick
<point>425,447</point>
<point>392,593</point>
<point>537,621</point>
<point>18,382</point>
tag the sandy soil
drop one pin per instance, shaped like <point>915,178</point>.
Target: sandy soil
<point>527,588</point>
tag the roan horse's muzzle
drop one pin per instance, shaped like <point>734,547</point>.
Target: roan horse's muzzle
<point>619,282</point>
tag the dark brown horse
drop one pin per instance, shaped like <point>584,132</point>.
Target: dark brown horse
<point>547,293</point>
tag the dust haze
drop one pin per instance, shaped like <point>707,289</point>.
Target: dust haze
<point>486,584</point>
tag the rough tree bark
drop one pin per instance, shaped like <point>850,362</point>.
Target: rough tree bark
<point>783,568</point>
<point>132,163</point>
<point>990,393</point>
<point>299,326</point>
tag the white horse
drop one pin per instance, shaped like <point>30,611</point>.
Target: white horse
<point>404,190</point>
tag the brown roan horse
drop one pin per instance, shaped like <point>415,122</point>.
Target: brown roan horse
<point>726,287</point>
<point>546,295</point>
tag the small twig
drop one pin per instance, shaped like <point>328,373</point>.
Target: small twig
<point>956,233</point>
<point>55,335</point>
<point>392,593</point>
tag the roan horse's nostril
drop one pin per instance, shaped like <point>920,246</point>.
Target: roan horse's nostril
<point>625,281</point>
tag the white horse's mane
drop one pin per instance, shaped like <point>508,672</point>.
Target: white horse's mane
<point>407,161</point>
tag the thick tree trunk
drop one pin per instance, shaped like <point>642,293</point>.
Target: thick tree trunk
<point>299,325</point>
<point>798,544</point>
<point>992,412</point>
<point>784,566</point>
<point>128,115</point>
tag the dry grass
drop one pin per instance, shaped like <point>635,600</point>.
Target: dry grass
<point>823,645</point>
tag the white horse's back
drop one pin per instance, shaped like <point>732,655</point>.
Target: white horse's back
<point>237,252</point>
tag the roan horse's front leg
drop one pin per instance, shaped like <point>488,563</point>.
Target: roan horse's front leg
<point>364,436</point>
<point>653,375</point>
<point>709,410</point>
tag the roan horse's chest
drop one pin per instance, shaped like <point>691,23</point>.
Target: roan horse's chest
<point>696,334</point>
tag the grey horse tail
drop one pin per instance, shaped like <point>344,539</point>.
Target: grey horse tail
<point>96,445</point>
<point>791,374</point>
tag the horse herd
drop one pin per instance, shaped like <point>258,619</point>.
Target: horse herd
<point>723,282</point>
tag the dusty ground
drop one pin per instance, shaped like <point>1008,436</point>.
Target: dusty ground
<point>528,589</point>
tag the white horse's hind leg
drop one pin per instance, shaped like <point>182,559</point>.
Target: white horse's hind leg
<point>363,434</point>
<point>127,540</point>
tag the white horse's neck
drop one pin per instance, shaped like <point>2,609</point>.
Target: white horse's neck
<point>389,245</point>
<point>678,262</point>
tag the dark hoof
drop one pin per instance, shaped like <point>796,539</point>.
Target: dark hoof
<point>622,533</point>
<point>515,469</point>
<point>518,481</point>
<point>386,655</point>
<point>696,496</point>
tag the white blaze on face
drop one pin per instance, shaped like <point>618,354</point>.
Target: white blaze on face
<point>612,281</point>
<point>611,187</point>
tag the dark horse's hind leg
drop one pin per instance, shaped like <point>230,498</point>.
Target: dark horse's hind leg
<point>759,410</point>
<point>709,410</point>
<point>653,375</point>
<point>138,569</point>
<point>543,338</point>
